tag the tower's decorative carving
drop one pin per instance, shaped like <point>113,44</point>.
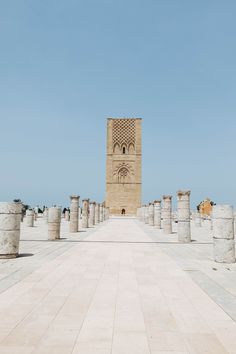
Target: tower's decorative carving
<point>123,185</point>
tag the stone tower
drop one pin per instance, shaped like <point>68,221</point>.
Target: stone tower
<point>123,170</point>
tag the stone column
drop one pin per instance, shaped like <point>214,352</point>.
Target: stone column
<point>143,214</point>
<point>146,217</point>
<point>10,220</point>
<point>184,229</point>
<point>107,213</point>
<point>198,219</point>
<point>45,215</point>
<point>67,215</point>
<point>92,214</point>
<point>234,223</point>
<point>151,214</point>
<point>157,214</point>
<point>223,233</point>
<point>54,223</point>
<point>79,218</point>
<point>97,216</point>
<point>85,213</point>
<point>29,217</point>
<point>167,213</point>
<point>104,211</point>
<point>74,206</point>
<point>101,212</point>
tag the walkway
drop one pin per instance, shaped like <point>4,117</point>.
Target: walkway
<point>111,290</point>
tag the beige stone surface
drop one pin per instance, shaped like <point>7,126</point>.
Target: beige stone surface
<point>118,288</point>
<point>123,167</point>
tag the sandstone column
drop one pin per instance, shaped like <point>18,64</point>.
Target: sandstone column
<point>184,229</point>
<point>85,213</point>
<point>97,216</point>
<point>74,206</point>
<point>151,214</point>
<point>10,219</point>
<point>167,213</point>
<point>223,233</point>
<point>157,214</point>
<point>54,223</point>
<point>29,217</point>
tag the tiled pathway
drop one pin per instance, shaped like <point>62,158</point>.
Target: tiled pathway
<point>115,292</point>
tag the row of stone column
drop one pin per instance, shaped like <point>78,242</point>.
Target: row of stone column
<point>222,223</point>
<point>159,215</point>
<point>92,214</point>
<point>11,217</point>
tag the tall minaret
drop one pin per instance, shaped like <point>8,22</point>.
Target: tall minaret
<point>124,164</point>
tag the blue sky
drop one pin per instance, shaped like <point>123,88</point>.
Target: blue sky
<point>66,65</point>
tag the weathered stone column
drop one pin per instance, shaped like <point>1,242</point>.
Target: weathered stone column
<point>85,213</point>
<point>45,215</point>
<point>74,220</point>
<point>107,214</point>
<point>97,216</point>
<point>67,215</point>
<point>91,214</point>
<point>151,214</point>
<point>157,214</point>
<point>167,214</point>
<point>79,218</point>
<point>94,206</point>
<point>54,223</point>
<point>184,229</point>
<point>101,212</point>
<point>29,218</point>
<point>143,214</point>
<point>10,219</point>
<point>234,223</point>
<point>198,219</point>
<point>146,217</point>
<point>223,233</point>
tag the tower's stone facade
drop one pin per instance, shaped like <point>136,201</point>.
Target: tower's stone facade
<point>124,161</point>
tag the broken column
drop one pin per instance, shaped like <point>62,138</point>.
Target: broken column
<point>10,219</point>
<point>223,233</point>
<point>45,215</point>
<point>67,215</point>
<point>101,212</point>
<point>74,206</point>
<point>54,223</point>
<point>97,217</point>
<point>151,214</point>
<point>184,229</point>
<point>29,217</point>
<point>146,216</point>
<point>167,213</point>
<point>91,214</point>
<point>85,213</point>
<point>157,214</point>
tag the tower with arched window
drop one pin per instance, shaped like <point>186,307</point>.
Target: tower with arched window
<point>123,169</point>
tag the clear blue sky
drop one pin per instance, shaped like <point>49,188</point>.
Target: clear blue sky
<point>67,65</point>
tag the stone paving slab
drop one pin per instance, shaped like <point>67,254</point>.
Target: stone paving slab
<point>85,294</point>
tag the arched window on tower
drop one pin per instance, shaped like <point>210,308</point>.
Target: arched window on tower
<point>124,150</point>
<point>123,175</point>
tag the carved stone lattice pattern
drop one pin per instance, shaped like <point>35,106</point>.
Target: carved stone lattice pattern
<point>123,132</point>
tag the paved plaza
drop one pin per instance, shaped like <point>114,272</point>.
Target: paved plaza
<point>121,287</point>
